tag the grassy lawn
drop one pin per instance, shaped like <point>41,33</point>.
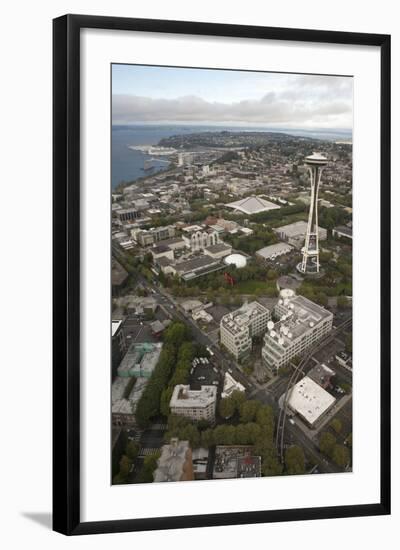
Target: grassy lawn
<point>254,286</point>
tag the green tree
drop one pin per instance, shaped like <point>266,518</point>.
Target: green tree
<point>248,410</point>
<point>270,465</point>
<point>226,407</point>
<point>207,438</point>
<point>327,441</point>
<point>124,466</point>
<point>294,460</point>
<point>238,397</point>
<point>149,465</point>
<point>340,455</point>
<point>342,302</point>
<point>176,333</point>
<point>132,450</point>
<point>165,399</point>
<point>336,425</point>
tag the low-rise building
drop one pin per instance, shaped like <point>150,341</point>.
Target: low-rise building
<point>194,404</point>
<point>128,214</point>
<point>295,233</point>
<point>140,360</point>
<point>273,251</point>
<point>175,462</point>
<point>252,205</point>
<point>300,324</point>
<point>154,235</point>
<point>239,327</point>
<point>231,385</point>
<point>310,401</point>
<point>343,231</point>
<point>196,267</point>
<point>199,239</point>
<point>218,251</point>
<point>322,375</point>
<point>161,251</point>
<point>236,461</point>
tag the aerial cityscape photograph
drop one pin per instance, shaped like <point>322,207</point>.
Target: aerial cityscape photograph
<point>231,274</point>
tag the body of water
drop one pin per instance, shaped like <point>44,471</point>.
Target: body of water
<point>127,164</point>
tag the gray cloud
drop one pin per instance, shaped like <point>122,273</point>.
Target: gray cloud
<point>303,101</point>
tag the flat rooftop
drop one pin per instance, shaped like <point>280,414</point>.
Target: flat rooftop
<point>232,461</point>
<point>195,264</point>
<point>183,397</point>
<point>309,400</point>
<point>297,316</point>
<point>295,229</point>
<point>273,249</point>
<point>240,319</point>
<point>170,465</point>
<point>220,247</point>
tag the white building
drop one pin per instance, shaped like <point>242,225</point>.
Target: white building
<point>238,328</point>
<point>194,404</point>
<point>310,401</point>
<point>252,205</point>
<point>295,233</point>
<point>220,250</point>
<point>300,324</point>
<point>231,385</point>
<point>274,251</point>
<point>200,239</point>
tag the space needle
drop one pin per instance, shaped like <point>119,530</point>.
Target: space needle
<point>310,263</point>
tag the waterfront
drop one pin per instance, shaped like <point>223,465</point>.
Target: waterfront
<point>127,164</point>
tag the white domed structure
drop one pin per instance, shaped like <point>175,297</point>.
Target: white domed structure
<point>238,260</point>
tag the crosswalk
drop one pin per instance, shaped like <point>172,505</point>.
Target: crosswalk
<point>159,427</point>
<point>146,451</point>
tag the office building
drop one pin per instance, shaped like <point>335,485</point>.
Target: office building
<point>239,327</point>
<point>300,324</point>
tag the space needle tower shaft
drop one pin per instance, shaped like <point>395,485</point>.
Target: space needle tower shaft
<point>310,262</point>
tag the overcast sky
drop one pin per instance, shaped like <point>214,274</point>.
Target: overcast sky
<point>164,95</point>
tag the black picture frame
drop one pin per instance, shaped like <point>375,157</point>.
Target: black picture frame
<point>66,273</point>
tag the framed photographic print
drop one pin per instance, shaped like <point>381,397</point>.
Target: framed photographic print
<point>221,274</point>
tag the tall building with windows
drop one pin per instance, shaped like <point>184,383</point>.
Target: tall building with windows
<point>239,327</point>
<point>299,324</point>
